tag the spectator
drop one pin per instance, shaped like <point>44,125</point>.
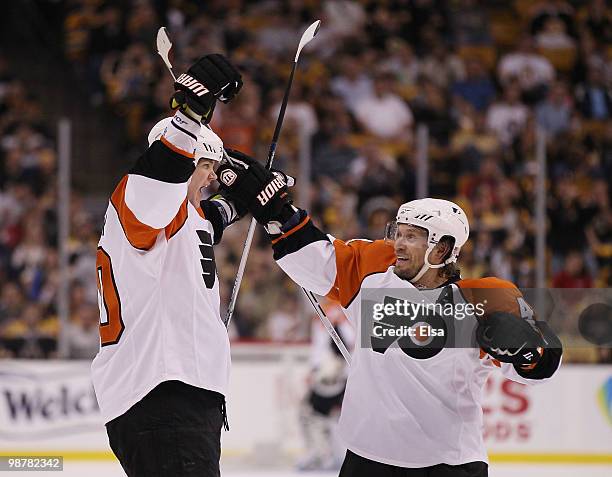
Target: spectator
<point>431,107</point>
<point>30,336</point>
<point>554,114</point>
<point>574,273</point>
<point>508,117</point>
<point>374,173</point>
<point>352,85</point>
<point>385,114</point>
<point>599,236</point>
<point>594,96</point>
<point>441,66</point>
<point>558,10</point>
<point>402,63</point>
<point>477,88</point>
<point>598,20</point>
<point>554,36</point>
<point>333,154</point>
<point>12,303</point>
<point>82,334</point>
<point>569,216</point>
<point>532,71</point>
<point>471,23</point>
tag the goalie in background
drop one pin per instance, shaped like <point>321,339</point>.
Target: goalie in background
<point>320,409</point>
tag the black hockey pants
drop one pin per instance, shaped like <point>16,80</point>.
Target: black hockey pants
<point>357,466</point>
<point>174,431</point>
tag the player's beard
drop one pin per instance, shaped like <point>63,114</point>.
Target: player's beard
<point>407,271</point>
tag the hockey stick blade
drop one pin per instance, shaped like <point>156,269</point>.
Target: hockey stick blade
<point>163,48</point>
<point>308,35</point>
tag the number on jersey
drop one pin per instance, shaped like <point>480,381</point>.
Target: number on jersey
<point>111,323</point>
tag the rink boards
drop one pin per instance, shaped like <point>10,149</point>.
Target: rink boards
<point>48,407</point>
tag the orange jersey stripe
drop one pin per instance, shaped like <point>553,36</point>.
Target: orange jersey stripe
<point>139,235</point>
<point>177,222</point>
<point>178,150</point>
<point>354,262</point>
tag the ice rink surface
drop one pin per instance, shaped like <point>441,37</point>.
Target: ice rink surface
<point>110,469</point>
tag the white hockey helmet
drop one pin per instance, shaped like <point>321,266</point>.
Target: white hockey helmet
<point>440,218</point>
<point>209,145</point>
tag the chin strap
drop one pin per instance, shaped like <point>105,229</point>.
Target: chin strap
<point>426,265</point>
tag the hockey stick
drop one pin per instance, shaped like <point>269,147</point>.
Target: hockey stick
<point>307,36</point>
<point>328,326</point>
<point>164,45</point>
<point>163,49</point>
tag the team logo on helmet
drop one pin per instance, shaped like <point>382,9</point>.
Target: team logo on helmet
<point>228,177</point>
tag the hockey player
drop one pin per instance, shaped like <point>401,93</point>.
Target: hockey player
<point>411,410</point>
<point>320,409</point>
<point>162,371</point>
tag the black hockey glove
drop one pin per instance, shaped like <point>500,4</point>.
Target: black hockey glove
<point>510,339</point>
<point>212,77</point>
<point>253,188</point>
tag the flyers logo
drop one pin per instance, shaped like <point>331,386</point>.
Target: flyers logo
<point>228,177</point>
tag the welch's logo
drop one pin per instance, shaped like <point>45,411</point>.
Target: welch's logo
<point>40,401</point>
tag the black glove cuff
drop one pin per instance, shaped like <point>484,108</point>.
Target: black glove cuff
<point>290,217</point>
<point>545,367</point>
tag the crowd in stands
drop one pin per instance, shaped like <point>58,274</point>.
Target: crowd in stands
<point>482,76</point>
<point>29,274</point>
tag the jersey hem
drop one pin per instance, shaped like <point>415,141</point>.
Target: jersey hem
<point>107,417</point>
<point>417,465</point>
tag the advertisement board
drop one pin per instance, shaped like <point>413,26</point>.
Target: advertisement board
<point>48,406</point>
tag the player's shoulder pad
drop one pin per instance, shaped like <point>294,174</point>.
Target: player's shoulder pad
<point>486,282</point>
<point>355,260</point>
<point>492,293</point>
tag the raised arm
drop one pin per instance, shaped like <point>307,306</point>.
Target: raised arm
<point>314,260</point>
<point>154,192</point>
<point>149,197</point>
<point>328,266</point>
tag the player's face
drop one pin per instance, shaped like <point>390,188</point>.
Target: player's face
<point>410,246</point>
<point>204,173</point>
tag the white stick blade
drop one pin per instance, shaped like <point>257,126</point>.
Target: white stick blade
<point>164,45</point>
<point>308,35</point>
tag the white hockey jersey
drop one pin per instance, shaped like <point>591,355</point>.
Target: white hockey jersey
<point>401,409</point>
<point>157,283</point>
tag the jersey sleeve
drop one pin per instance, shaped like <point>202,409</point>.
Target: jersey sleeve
<point>153,195</point>
<point>328,266</point>
<point>494,295</point>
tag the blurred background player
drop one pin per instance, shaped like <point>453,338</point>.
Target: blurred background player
<point>320,408</point>
<point>162,372</point>
<point>412,409</point>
